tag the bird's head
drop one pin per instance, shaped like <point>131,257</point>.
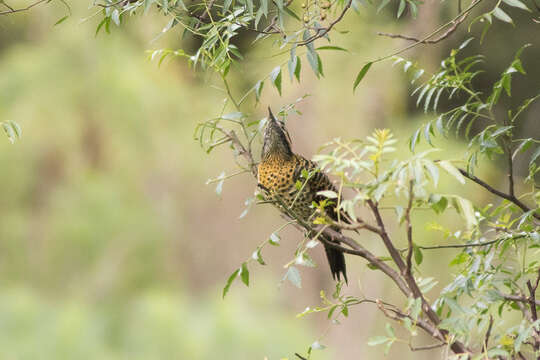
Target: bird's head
<point>277,141</point>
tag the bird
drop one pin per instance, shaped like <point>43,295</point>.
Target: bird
<point>279,174</point>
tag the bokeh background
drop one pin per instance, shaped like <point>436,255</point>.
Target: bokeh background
<point>111,244</point>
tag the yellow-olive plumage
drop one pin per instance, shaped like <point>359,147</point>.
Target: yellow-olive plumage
<point>278,173</point>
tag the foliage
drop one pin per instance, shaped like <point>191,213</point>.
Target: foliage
<point>489,309</point>
<point>497,270</point>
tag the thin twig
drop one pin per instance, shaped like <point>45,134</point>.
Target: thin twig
<point>397,315</point>
<point>300,356</point>
<point>443,36</point>
<point>428,36</point>
<point>512,198</point>
<point>462,246</point>
<point>488,332</point>
<point>323,31</point>
<point>12,11</point>
<point>517,298</point>
<point>426,347</point>
<point>534,315</point>
<point>409,229</point>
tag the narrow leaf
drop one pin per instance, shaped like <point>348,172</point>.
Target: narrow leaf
<point>230,281</point>
<point>275,77</point>
<point>516,3</point>
<point>501,15</point>
<point>361,75</point>
<point>244,274</point>
<point>452,170</point>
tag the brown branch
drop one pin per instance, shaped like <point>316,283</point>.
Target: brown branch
<point>457,347</point>
<point>534,315</point>
<point>241,151</point>
<point>426,347</point>
<point>397,315</point>
<point>461,246</point>
<point>517,298</point>
<point>335,236</point>
<point>512,198</point>
<point>300,356</point>
<point>408,270</point>
<point>488,333</point>
<point>360,224</point>
<point>120,2</point>
<point>12,11</point>
<point>323,31</point>
<point>455,24</point>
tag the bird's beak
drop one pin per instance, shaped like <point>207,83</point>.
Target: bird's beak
<point>271,115</point>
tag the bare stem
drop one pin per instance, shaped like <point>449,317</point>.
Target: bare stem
<point>510,197</point>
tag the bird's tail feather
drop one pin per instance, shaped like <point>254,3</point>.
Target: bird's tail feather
<point>336,259</point>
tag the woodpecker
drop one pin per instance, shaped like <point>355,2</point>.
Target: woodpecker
<point>278,173</point>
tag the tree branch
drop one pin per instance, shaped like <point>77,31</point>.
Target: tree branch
<point>534,315</point>
<point>426,347</point>
<point>488,332</point>
<point>457,347</point>
<point>409,230</point>
<point>517,298</point>
<point>512,198</point>
<point>323,31</point>
<point>12,11</point>
<point>443,36</point>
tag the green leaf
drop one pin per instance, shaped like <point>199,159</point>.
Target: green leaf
<point>328,194</point>
<point>115,16</point>
<point>293,275</point>
<point>230,281</point>
<point>390,330</point>
<point>219,186</point>
<point>12,130</point>
<point>319,65</point>
<point>147,4</point>
<point>257,256</point>
<point>501,15</point>
<point>317,346</point>
<point>417,75</point>
<point>438,203</point>
<point>382,5</point>
<point>377,340</point>
<point>244,274</point>
<point>465,43</point>
<point>258,89</point>
<point>414,139</point>
<point>418,256</point>
<point>452,170</point>
<point>291,65</point>
<point>361,75</point>
<point>401,7</point>
<point>313,60</point>
<point>516,3</point>
<point>329,47</point>
<point>297,69</point>
<point>467,211</point>
<point>264,7</point>
<point>275,77</point>
<point>274,239</point>
<point>534,156</point>
<point>61,20</point>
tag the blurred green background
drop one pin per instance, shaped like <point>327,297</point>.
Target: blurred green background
<point>111,244</point>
